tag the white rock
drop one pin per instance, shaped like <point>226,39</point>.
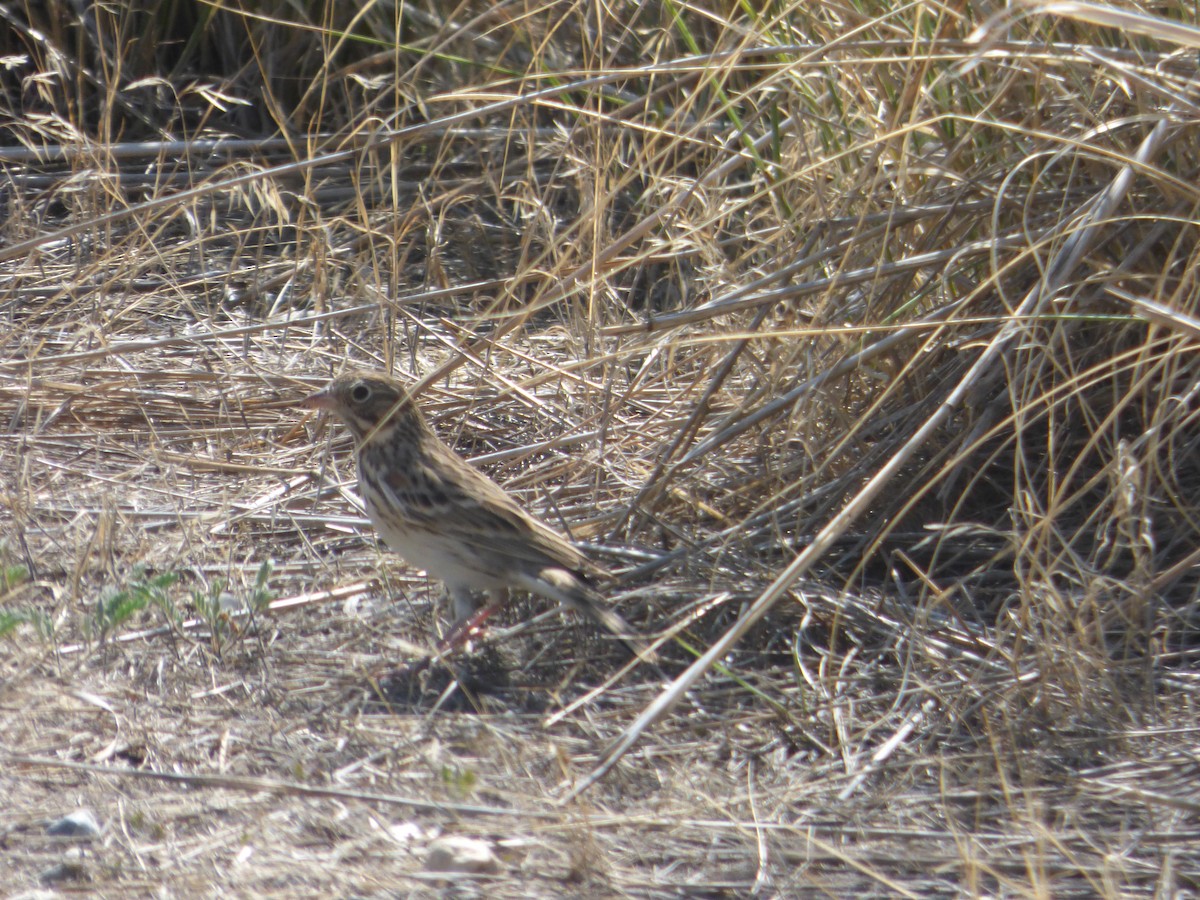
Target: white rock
<point>462,855</point>
<point>79,824</point>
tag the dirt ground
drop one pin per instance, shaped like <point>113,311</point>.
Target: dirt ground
<point>685,308</point>
<point>267,747</point>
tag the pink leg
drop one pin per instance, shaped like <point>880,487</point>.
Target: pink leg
<point>466,628</point>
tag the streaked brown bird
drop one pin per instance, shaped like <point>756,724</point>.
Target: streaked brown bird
<point>448,518</point>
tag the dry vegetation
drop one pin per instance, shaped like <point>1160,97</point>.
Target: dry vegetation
<point>691,281</point>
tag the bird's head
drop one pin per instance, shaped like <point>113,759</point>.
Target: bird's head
<point>367,402</point>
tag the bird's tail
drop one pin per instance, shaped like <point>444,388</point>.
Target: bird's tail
<point>569,590</point>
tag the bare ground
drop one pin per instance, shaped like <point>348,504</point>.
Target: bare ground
<point>266,755</point>
<point>684,313</point>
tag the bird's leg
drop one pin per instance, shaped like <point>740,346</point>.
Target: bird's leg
<point>469,616</point>
<point>464,602</point>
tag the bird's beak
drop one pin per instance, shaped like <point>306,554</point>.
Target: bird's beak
<point>319,400</point>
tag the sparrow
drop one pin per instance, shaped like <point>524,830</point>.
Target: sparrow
<point>443,515</point>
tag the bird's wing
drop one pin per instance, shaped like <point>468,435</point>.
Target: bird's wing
<point>462,500</point>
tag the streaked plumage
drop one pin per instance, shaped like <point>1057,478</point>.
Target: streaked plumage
<point>444,516</point>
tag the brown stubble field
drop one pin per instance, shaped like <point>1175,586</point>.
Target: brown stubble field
<point>706,291</point>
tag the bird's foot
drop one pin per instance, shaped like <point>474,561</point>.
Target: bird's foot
<point>465,629</point>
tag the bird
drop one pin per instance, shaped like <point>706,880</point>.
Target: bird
<point>441,514</point>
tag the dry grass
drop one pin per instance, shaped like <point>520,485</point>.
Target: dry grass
<point>690,286</point>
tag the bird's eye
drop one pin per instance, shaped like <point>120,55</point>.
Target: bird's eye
<point>359,393</point>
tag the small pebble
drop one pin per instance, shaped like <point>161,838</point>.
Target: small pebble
<point>63,871</point>
<point>79,824</point>
<point>461,855</point>
<point>72,868</point>
<point>231,603</point>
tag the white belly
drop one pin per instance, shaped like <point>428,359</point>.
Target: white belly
<point>441,557</point>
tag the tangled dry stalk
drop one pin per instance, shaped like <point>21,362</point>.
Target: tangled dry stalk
<point>861,330</point>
